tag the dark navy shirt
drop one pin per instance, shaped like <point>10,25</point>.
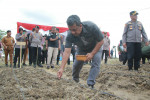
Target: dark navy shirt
<point>88,38</point>
<point>52,43</point>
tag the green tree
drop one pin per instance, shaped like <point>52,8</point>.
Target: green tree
<point>2,33</point>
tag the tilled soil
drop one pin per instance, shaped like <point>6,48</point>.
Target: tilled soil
<point>42,84</point>
<point>37,84</point>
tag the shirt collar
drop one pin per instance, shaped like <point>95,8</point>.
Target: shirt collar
<point>83,29</point>
<point>8,36</point>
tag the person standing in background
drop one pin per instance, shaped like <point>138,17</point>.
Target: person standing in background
<point>131,39</point>
<point>106,46</point>
<point>44,50</point>
<point>8,43</point>
<point>20,37</point>
<point>29,46</point>
<point>53,45</point>
<point>36,39</point>
<point>26,49</point>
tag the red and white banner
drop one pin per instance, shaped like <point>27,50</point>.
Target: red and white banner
<point>43,28</point>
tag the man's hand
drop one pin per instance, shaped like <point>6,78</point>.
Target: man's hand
<point>125,49</point>
<point>59,48</point>
<point>46,48</point>
<point>5,47</point>
<point>59,73</point>
<point>147,43</point>
<point>124,45</point>
<point>89,56</point>
<point>12,46</point>
<point>56,37</point>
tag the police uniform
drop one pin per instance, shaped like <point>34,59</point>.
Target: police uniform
<point>19,38</point>
<point>132,38</point>
<point>9,42</point>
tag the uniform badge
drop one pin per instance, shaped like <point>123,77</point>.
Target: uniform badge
<point>131,27</point>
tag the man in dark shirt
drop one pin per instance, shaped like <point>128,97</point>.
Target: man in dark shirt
<point>53,45</point>
<point>89,39</point>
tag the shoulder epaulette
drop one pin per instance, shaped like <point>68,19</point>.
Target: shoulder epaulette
<point>139,22</point>
<point>129,22</point>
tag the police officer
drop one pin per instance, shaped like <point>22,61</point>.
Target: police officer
<point>20,37</point>
<point>35,40</point>
<point>8,44</point>
<point>132,40</point>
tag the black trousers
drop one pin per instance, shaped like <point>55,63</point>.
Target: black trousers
<point>44,56</point>
<point>133,54</point>
<point>58,57</point>
<point>30,55</point>
<point>36,55</point>
<point>73,54</point>
<point>17,54</point>
<point>124,57</point>
<point>106,55</point>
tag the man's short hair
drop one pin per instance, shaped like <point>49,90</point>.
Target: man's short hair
<point>33,29</point>
<point>8,31</point>
<point>20,29</point>
<point>73,19</point>
<point>53,27</point>
<point>57,29</point>
<point>24,31</point>
<point>37,27</point>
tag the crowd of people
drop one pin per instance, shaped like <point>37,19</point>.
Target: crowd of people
<point>39,49</point>
<point>83,38</point>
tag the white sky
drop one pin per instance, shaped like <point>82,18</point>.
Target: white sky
<point>109,15</point>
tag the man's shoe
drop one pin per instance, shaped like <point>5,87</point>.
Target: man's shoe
<point>91,86</point>
<point>130,69</point>
<point>48,67</point>
<point>34,65</point>
<point>6,65</point>
<point>24,64</point>
<point>18,65</point>
<point>10,65</point>
<point>30,64</point>
<point>52,66</point>
<point>14,65</point>
<point>40,65</point>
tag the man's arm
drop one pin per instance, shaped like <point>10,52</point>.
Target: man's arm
<point>144,36</point>
<point>5,47</point>
<point>53,39</point>
<point>95,50</point>
<point>124,36</point>
<point>59,45</point>
<point>64,61</point>
<point>47,44</point>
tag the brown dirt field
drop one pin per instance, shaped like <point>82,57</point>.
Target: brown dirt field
<point>42,84</point>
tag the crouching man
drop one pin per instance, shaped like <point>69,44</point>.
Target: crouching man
<point>89,40</point>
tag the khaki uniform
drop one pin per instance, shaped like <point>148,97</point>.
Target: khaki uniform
<point>8,41</point>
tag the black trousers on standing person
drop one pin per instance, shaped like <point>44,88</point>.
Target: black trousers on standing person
<point>34,55</point>
<point>17,55</point>
<point>30,55</point>
<point>58,57</point>
<point>73,51</point>
<point>106,52</point>
<point>44,56</point>
<point>133,55</point>
<point>124,57</point>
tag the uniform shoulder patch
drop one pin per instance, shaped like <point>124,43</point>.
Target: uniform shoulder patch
<point>129,22</point>
<point>139,22</point>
